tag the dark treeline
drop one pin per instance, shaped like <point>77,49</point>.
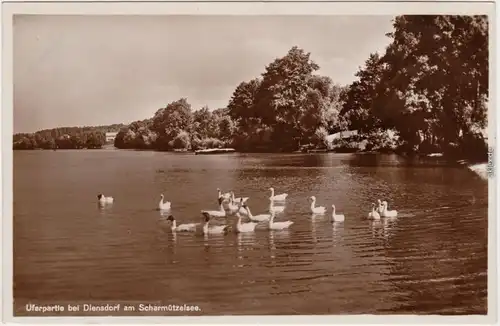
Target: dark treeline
<point>65,138</point>
<point>427,93</point>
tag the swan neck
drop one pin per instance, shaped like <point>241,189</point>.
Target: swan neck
<point>174,224</point>
<point>205,227</point>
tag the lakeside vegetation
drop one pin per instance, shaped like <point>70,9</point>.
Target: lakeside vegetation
<point>65,138</point>
<point>427,93</point>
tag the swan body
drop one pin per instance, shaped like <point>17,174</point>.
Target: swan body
<point>337,217</point>
<point>104,200</point>
<point>256,218</point>
<point>278,225</point>
<point>220,213</point>
<point>373,215</point>
<point>244,227</point>
<point>387,213</point>
<point>280,197</point>
<point>217,229</point>
<point>316,209</point>
<point>164,206</point>
<point>188,227</point>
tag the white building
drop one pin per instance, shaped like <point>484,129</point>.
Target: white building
<point>110,136</point>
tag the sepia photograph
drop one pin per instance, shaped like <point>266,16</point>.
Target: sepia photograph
<point>191,165</point>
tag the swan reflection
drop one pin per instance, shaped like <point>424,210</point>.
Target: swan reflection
<point>337,230</point>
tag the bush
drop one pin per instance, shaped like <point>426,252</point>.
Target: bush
<point>181,141</point>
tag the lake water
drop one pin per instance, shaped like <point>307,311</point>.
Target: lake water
<point>432,259</point>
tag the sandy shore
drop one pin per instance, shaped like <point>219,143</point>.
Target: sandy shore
<point>480,169</point>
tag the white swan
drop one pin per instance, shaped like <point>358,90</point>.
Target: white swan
<point>188,227</point>
<point>104,200</point>
<point>220,213</point>
<point>278,225</point>
<point>386,213</point>
<point>221,195</point>
<point>217,229</point>
<point>163,206</point>
<point>373,215</point>
<point>244,227</point>
<point>231,208</point>
<point>238,199</point>
<point>280,197</point>
<point>337,217</point>
<point>380,207</point>
<point>276,209</point>
<point>256,218</point>
<point>318,209</point>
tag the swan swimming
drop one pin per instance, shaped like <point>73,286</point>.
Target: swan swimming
<point>387,213</point>
<point>318,209</point>
<point>380,207</point>
<point>256,218</point>
<point>278,225</point>
<point>280,197</point>
<point>104,200</point>
<point>373,215</point>
<point>188,227</point>
<point>217,229</point>
<point>244,227</point>
<point>226,195</point>
<point>220,213</point>
<point>230,208</point>
<point>337,217</point>
<point>163,206</point>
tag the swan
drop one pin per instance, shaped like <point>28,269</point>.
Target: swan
<point>373,215</point>
<point>104,200</point>
<point>227,195</point>
<point>256,218</point>
<point>316,210</point>
<point>217,229</point>
<point>244,227</point>
<point>280,197</point>
<point>278,225</point>
<point>380,207</point>
<point>164,206</point>
<point>220,213</point>
<point>276,209</point>
<point>337,217</point>
<point>237,200</point>
<point>188,227</point>
<point>386,213</point>
<point>231,208</point>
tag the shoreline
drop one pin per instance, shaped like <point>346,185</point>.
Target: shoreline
<point>481,169</point>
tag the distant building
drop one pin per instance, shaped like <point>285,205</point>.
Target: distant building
<point>341,135</point>
<point>110,136</point>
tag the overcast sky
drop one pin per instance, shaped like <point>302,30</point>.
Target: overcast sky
<point>95,70</point>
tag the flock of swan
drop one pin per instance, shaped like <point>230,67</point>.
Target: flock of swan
<point>231,206</point>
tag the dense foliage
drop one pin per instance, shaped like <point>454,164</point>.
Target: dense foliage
<point>427,92</point>
<point>430,86</point>
<point>286,108</point>
<point>65,138</point>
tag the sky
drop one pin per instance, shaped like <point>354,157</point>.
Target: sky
<point>98,70</point>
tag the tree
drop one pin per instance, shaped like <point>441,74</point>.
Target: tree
<point>435,86</point>
<point>168,122</point>
<point>358,101</point>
